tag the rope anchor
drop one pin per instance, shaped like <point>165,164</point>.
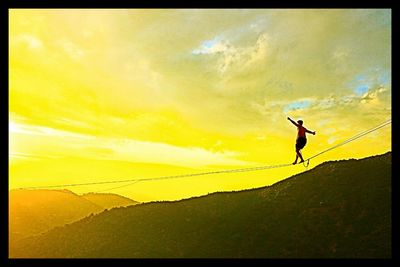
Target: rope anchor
<point>308,163</point>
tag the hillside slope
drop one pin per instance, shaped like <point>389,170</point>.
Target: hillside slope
<point>339,209</point>
<point>108,200</point>
<point>36,211</point>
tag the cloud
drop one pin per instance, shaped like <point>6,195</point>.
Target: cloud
<point>71,49</point>
<point>364,98</point>
<point>153,152</point>
<point>283,106</point>
<point>30,41</point>
<point>26,129</point>
<point>302,104</point>
<point>27,156</point>
<point>231,57</point>
<point>211,47</point>
<point>374,95</point>
<point>240,70</point>
<point>61,143</point>
<point>332,139</point>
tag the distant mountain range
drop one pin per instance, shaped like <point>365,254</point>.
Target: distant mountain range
<point>339,209</point>
<point>36,211</point>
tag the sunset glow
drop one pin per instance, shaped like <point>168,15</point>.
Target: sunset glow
<point>99,95</point>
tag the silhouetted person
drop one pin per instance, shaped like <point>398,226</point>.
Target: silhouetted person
<point>301,138</point>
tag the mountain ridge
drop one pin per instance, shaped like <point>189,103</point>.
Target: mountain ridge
<point>337,209</point>
<point>33,211</point>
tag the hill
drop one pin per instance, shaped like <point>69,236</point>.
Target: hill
<point>339,209</point>
<point>36,211</point>
<point>108,200</point>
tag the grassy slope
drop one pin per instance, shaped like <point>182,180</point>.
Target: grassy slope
<point>338,209</point>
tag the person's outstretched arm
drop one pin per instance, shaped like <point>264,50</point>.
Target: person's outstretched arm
<point>292,121</point>
<point>310,131</point>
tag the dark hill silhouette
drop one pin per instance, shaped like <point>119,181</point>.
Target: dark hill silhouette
<point>339,209</point>
<point>36,211</point>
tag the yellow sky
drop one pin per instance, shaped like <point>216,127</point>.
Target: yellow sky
<point>98,95</point>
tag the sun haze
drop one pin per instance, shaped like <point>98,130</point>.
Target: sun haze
<point>100,95</point>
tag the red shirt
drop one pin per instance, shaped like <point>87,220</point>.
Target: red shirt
<point>301,131</point>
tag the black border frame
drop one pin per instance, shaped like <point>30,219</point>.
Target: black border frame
<point>8,4</point>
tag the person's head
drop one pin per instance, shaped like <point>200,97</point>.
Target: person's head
<point>300,122</point>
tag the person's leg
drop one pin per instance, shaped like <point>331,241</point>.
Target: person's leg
<point>301,157</point>
<point>297,156</point>
<point>295,162</point>
<point>302,143</point>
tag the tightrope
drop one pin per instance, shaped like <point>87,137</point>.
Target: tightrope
<point>134,181</point>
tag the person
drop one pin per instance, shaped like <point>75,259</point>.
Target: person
<point>301,138</point>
